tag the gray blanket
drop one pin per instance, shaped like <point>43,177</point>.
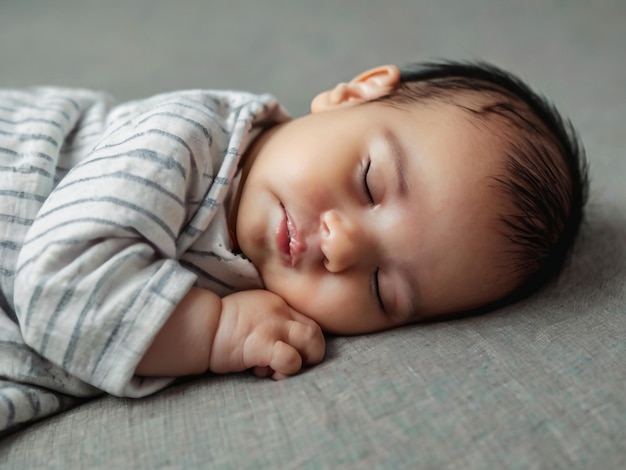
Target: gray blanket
<point>540,384</point>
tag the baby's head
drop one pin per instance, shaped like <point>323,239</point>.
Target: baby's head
<point>412,195</point>
<point>543,180</point>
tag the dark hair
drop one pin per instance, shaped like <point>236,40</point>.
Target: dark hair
<point>545,178</point>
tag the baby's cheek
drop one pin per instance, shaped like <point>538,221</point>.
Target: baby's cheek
<point>301,294</point>
<point>319,196</point>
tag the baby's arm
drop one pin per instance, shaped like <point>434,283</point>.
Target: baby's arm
<point>99,272</point>
<point>246,330</point>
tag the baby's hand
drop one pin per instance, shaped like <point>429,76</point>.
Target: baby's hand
<point>258,330</point>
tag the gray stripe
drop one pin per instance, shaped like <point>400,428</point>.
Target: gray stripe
<point>192,231</point>
<point>26,170</point>
<point>31,396</point>
<point>29,120</point>
<point>87,135</point>
<point>159,287</point>
<point>142,153</point>
<point>12,219</point>
<point>113,200</point>
<point>31,305</point>
<point>195,124</point>
<point>210,116</point>
<point>118,325</point>
<point>44,249</point>
<point>10,409</point>
<point>158,132</point>
<point>68,100</point>
<point>206,254</point>
<point>195,269</point>
<point>95,220</point>
<point>208,202</point>
<point>41,95</point>
<point>128,177</point>
<point>22,195</point>
<point>15,154</point>
<point>102,281</point>
<point>24,104</point>
<point>6,272</point>
<point>122,319</point>
<point>65,300</point>
<point>10,245</point>
<point>27,137</point>
<point>235,110</point>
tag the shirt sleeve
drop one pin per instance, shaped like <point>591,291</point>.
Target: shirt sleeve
<point>98,273</point>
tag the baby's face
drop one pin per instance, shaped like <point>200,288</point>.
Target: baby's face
<point>368,217</point>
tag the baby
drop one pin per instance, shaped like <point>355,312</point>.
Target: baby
<point>207,231</point>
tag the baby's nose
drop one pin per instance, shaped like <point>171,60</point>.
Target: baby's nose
<point>344,241</point>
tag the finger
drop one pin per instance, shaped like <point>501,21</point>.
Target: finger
<point>295,315</point>
<point>262,371</point>
<point>279,376</point>
<point>285,359</point>
<point>307,338</point>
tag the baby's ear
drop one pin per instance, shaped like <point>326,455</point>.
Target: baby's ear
<point>369,85</point>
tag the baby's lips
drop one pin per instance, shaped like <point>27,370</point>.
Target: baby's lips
<point>297,246</point>
<point>282,233</point>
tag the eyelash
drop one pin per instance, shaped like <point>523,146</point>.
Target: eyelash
<point>374,278</point>
<point>366,188</point>
<point>376,290</point>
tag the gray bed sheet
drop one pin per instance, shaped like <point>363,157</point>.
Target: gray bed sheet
<point>540,384</point>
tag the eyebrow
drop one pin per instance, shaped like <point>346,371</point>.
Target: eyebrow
<point>399,158</point>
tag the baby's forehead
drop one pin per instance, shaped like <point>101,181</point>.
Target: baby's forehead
<point>476,126</point>
<point>507,126</point>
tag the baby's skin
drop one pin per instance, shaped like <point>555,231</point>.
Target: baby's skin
<point>359,217</point>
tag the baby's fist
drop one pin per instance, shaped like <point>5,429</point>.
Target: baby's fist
<point>259,331</point>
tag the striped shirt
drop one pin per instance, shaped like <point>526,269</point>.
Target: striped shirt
<point>108,215</point>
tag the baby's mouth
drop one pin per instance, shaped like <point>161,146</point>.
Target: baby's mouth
<point>287,238</point>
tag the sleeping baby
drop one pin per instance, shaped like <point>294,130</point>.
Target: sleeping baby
<point>207,231</point>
